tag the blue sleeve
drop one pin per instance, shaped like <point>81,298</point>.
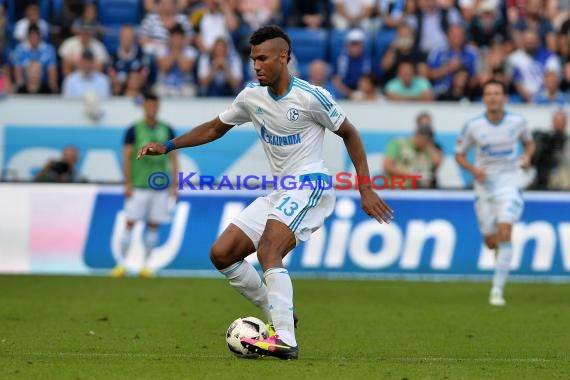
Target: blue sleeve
<point>472,62</point>
<point>16,58</point>
<point>130,136</point>
<point>52,60</point>
<point>517,76</point>
<point>435,59</point>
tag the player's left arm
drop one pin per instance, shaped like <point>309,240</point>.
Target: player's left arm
<point>174,176</point>
<point>371,203</point>
<point>526,158</point>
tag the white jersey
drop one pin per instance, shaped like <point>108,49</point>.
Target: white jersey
<point>291,127</point>
<point>496,147</point>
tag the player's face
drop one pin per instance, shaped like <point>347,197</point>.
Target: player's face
<point>268,61</point>
<point>494,97</point>
<point>151,109</point>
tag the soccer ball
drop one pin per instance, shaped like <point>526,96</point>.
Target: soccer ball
<point>245,327</point>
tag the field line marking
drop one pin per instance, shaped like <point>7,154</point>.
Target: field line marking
<point>207,356</point>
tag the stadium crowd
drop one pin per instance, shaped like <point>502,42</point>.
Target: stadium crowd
<point>360,50</point>
<point>402,50</point>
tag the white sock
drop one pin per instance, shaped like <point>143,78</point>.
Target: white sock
<point>125,244</point>
<point>280,297</point>
<point>245,279</point>
<point>150,241</point>
<point>503,262</point>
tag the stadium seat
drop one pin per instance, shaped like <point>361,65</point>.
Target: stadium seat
<point>56,7</point>
<point>111,38</point>
<point>286,6</point>
<point>308,45</point>
<point>119,12</point>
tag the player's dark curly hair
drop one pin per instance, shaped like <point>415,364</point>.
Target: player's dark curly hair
<point>268,33</point>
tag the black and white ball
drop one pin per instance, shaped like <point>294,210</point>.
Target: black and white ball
<point>245,327</point>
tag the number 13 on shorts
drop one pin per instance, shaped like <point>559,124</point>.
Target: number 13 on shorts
<point>287,206</point>
<point>296,208</point>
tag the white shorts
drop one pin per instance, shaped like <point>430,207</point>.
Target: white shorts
<point>492,209</point>
<point>148,205</point>
<point>302,210</point>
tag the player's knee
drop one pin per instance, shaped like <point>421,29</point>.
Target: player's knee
<point>219,256</point>
<point>504,237</point>
<point>268,255</point>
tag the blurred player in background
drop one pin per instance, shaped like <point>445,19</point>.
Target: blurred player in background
<point>142,202</point>
<point>291,117</point>
<point>498,203</point>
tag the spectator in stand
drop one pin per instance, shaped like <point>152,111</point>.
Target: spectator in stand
<point>155,27</point>
<point>32,16</point>
<point>352,63</point>
<point>402,49</point>
<point>564,49</point>
<point>5,80</point>
<point>487,27</point>
<point>319,75</point>
<point>529,63</point>
<point>459,89</point>
<point>150,6</point>
<point>366,89</point>
<point>445,61</point>
<point>391,13</point>
<point>63,170</point>
<point>86,80</point>
<point>349,14</point>
<point>88,17</point>
<point>3,37</point>
<point>407,86</point>
<point>309,14</point>
<point>129,65</point>
<point>550,92</point>
<point>33,83</point>
<point>220,73</point>
<point>35,61</point>
<point>536,21</point>
<point>218,19</point>
<point>256,13</point>
<point>558,11</point>
<point>60,27</point>
<point>176,66</point>
<point>494,63</point>
<point>431,23</point>
<point>71,50</point>
<point>516,10</point>
<point>552,156</point>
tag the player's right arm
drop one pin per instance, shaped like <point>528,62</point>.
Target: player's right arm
<point>206,132</point>
<point>464,142</point>
<point>202,134</point>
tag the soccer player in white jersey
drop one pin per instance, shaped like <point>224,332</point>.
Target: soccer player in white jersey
<point>291,117</point>
<point>498,203</point>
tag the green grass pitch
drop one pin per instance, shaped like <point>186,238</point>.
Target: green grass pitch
<point>173,328</point>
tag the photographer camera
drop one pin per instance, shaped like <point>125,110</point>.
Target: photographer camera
<point>62,170</point>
